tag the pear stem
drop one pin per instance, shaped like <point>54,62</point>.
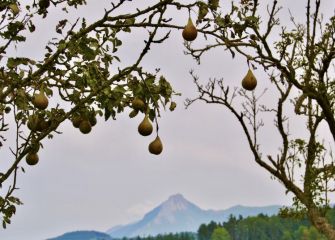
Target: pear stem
<point>157,126</point>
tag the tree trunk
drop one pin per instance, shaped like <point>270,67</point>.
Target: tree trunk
<point>321,223</point>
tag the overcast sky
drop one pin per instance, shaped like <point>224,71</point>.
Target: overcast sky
<point>108,177</point>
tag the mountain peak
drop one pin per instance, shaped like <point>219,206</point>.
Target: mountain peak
<point>176,197</point>
<point>175,203</point>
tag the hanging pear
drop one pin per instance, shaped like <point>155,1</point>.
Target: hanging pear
<point>249,82</point>
<point>40,100</point>
<point>138,104</point>
<point>76,120</point>
<point>156,146</point>
<point>85,126</point>
<point>145,128</point>
<point>190,32</point>
<point>33,122</point>
<point>32,158</point>
<point>43,125</point>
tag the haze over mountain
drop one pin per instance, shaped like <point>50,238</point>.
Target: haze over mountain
<point>177,214</point>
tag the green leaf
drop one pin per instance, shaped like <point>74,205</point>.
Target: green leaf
<point>203,10</point>
<point>108,113</point>
<point>172,107</point>
<point>213,4</point>
<point>133,113</point>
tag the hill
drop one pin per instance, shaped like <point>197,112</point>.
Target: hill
<point>83,235</point>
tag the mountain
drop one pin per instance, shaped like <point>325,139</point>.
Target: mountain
<point>177,214</point>
<point>83,235</point>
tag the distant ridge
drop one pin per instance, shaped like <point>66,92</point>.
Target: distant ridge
<point>83,235</point>
<point>177,214</point>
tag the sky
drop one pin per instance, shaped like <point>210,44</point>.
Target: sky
<point>108,177</point>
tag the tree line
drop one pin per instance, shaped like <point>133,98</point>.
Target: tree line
<point>260,227</point>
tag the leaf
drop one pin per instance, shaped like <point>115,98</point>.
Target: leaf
<point>108,113</point>
<point>203,10</point>
<point>133,113</point>
<point>172,107</point>
<point>60,26</point>
<point>152,114</point>
<point>213,4</point>
<point>129,21</point>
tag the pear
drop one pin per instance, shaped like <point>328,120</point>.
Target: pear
<point>33,122</point>
<point>190,32</point>
<point>32,158</point>
<point>156,146</point>
<point>249,82</point>
<point>85,126</point>
<point>145,128</point>
<point>76,120</point>
<point>43,125</point>
<point>40,100</point>
<point>138,104</point>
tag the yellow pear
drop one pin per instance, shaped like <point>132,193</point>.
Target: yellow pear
<point>32,158</point>
<point>145,128</point>
<point>40,100</point>
<point>190,32</point>
<point>156,146</point>
<point>249,82</point>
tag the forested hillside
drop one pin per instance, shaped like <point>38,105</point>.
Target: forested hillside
<point>264,227</point>
<point>261,227</point>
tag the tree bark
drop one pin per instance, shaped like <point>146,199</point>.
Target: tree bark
<point>321,223</point>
